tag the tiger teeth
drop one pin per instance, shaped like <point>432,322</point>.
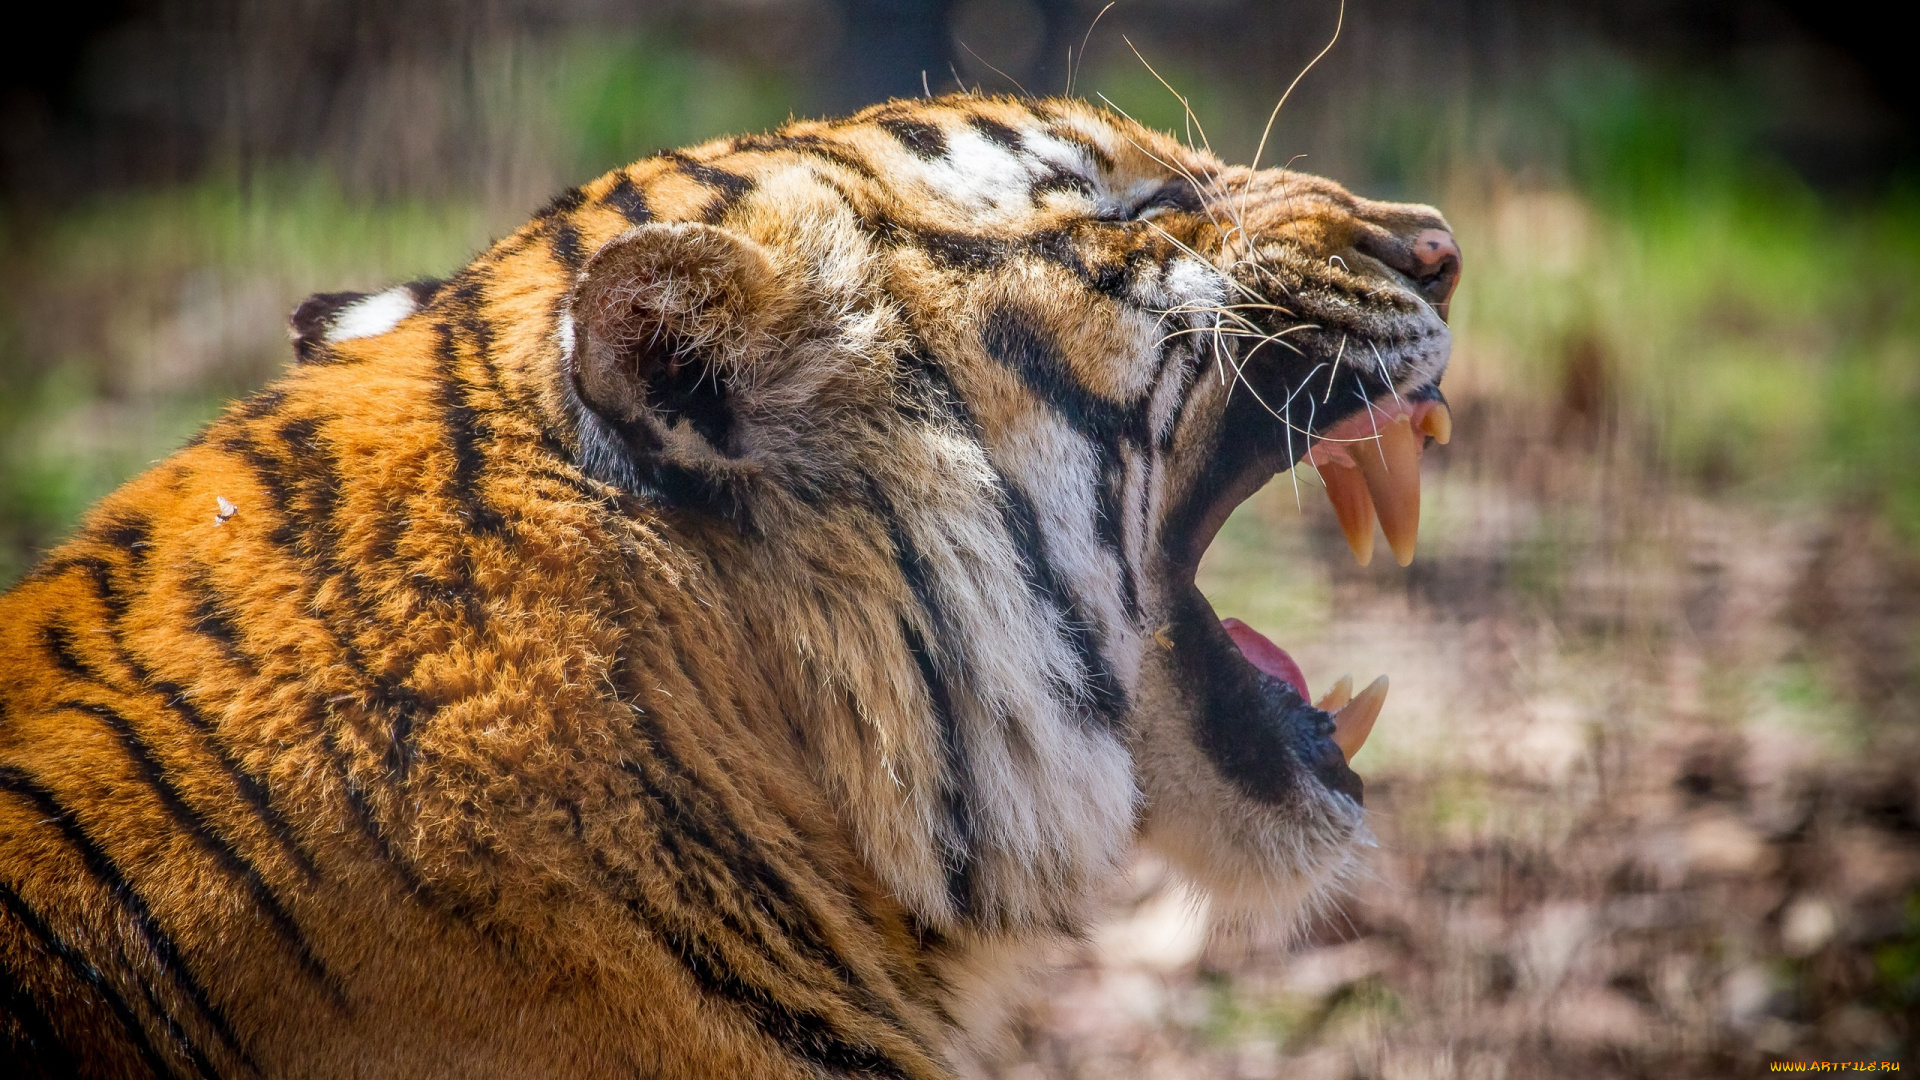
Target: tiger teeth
<point>1390,464</point>
<point>1353,506</point>
<point>1370,464</point>
<point>1337,695</point>
<point>1437,420</point>
<point>1354,722</point>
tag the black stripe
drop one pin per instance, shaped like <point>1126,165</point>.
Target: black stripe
<point>811,145</point>
<point>1071,135</point>
<point>188,819</point>
<point>424,290</point>
<point>213,622</point>
<point>28,1041</point>
<point>694,815</point>
<point>629,200</point>
<point>1066,248</point>
<point>251,789</point>
<point>84,970</point>
<point>59,644</point>
<point>564,203</point>
<point>950,249</point>
<point>133,535</point>
<point>1193,361</point>
<point>318,547</point>
<point>96,568</point>
<point>800,1031</point>
<point>935,392</point>
<point>1061,180</point>
<point>1108,697</point>
<point>998,133</point>
<point>746,866</point>
<point>363,816</point>
<point>318,543</point>
<point>1109,492</point>
<point>262,404</point>
<point>164,952</point>
<point>201,1064</point>
<point>463,436</point>
<point>960,791</point>
<point>566,244</point>
<point>1015,338</point>
<point>267,475</point>
<point>732,186</point>
<point>924,139</point>
<point>979,253</point>
<point>714,866</point>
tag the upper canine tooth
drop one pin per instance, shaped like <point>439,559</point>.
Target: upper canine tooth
<point>1391,465</point>
<point>1353,506</point>
<point>1354,722</point>
<point>1437,421</point>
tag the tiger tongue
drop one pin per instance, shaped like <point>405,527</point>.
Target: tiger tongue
<point>1266,656</point>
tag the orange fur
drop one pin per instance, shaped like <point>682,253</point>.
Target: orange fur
<point>450,752</point>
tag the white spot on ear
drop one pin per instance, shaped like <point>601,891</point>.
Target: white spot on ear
<point>374,315</point>
<point>564,331</point>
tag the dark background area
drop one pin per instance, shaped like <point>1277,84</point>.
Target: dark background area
<point>145,91</point>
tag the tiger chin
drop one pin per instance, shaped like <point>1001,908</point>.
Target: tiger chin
<point>722,626</point>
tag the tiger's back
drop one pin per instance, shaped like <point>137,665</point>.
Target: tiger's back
<point>725,630</point>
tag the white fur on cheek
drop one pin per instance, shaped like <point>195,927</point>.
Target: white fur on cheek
<point>372,316</point>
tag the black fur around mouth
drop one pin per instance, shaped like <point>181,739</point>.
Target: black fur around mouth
<point>1249,720</point>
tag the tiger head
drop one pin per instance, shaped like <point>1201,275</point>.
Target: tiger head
<point>942,404</point>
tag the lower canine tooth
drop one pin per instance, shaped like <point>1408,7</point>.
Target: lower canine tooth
<point>1354,722</point>
<point>1337,695</point>
<point>1347,491</point>
<point>1438,422</point>
<point>1391,466</point>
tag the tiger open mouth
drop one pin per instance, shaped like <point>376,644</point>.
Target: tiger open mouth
<point>1253,692</point>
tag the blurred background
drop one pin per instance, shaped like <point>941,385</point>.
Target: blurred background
<point>1645,789</point>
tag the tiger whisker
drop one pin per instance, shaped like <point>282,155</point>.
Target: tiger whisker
<point>1083,46</point>
<point>1339,21</point>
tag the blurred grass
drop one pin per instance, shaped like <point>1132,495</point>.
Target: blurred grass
<point>1761,338</point>
<point>129,320</point>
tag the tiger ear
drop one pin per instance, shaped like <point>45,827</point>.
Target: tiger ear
<point>663,321</point>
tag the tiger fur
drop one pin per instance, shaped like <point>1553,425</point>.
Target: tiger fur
<point>722,631</point>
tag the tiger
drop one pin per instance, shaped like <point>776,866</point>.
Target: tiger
<point>736,626</point>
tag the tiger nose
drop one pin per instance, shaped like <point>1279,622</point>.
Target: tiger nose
<point>1436,267</point>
